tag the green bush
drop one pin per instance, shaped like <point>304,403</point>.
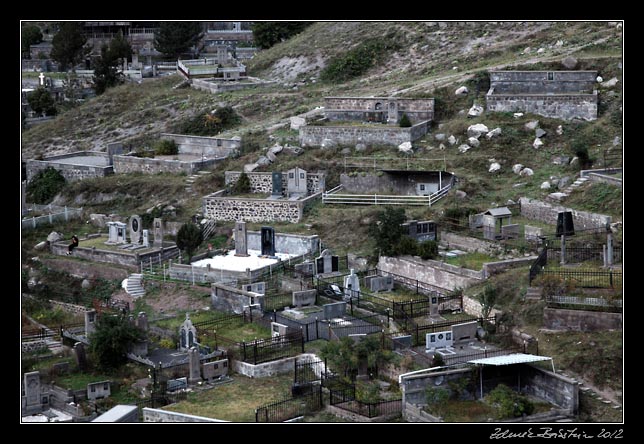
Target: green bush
<point>428,249</point>
<point>211,124</point>
<point>404,121</point>
<point>242,186</point>
<point>509,403</point>
<point>45,185</point>
<point>436,398</point>
<point>356,61</point>
<point>166,147</point>
<point>407,245</point>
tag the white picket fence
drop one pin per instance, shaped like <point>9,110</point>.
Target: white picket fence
<point>56,214</point>
<point>334,197</point>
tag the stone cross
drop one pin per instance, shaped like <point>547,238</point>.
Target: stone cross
<point>41,77</point>
<point>158,232</point>
<point>241,239</point>
<point>193,361</point>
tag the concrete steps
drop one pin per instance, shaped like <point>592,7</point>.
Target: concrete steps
<point>562,195</point>
<point>134,286</point>
<point>192,178</point>
<point>533,293</point>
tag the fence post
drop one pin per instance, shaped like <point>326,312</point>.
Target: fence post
<point>416,286</point>
<point>295,373</point>
<point>255,353</point>
<point>66,215</point>
<point>302,336</point>
<point>417,341</point>
<point>274,315</point>
<point>244,349</point>
<point>317,335</point>
<point>351,305</point>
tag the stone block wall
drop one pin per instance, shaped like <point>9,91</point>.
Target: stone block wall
<point>146,165</point>
<point>69,308</point>
<point>263,182</point>
<point>438,274</point>
<point>581,320</point>
<point>157,415</point>
<point>473,307</point>
<point>537,82</point>
<point>566,107</point>
<point>546,212</point>
<point>557,389</point>
<point>351,135</point>
<point>342,108</point>
<point>388,183</point>
<point>414,387</point>
<point>232,300</point>
<point>69,172</point>
<point>256,210</point>
<point>467,243</point>
<point>272,368</point>
<point>207,146</point>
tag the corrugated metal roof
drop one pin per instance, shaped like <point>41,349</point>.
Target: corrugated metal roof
<point>501,211</point>
<point>517,358</point>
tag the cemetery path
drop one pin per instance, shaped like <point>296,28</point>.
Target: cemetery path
<point>605,393</point>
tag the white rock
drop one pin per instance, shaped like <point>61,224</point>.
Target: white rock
<point>559,130</point>
<point>493,133</point>
<point>54,237</point>
<point>545,185</point>
<point>526,172</point>
<point>531,125</point>
<point>617,141</point>
<point>473,142</point>
<point>537,143</point>
<point>540,133</point>
<point>454,68</point>
<point>527,50</point>
<point>297,122</point>
<point>517,115</point>
<point>510,202</point>
<point>249,167</point>
<point>610,83</point>
<point>40,245</point>
<point>496,166</point>
<point>540,50</point>
<point>440,137</point>
<point>276,149</point>
<point>405,147</point>
<point>327,143</point>
<point>271,156</point>
<point>476,130</point>
<point>464,148</point>
<point>599,79</point>
<point>516,168</point>
<point>361,147</point>
<point>86,284</point>
<point>574,161</point>
<point>441,147</point>
<point>345,151</point>
<point>452,140</point>
<point>460,194</point>
<point>461,91</point>
<point>475,111</point>
<point>559,43</point>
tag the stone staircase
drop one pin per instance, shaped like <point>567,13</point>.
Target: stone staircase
<point>191,179</point>
<point>533,293</point>
<point>182,84</point>
<point>134,285</point>
<point>562,195</point>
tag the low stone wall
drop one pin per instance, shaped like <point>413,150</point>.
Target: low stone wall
<point>567,107</point>
<point>206,146</point>
<point>600,176</point>
<point>256,210</point>
<point>263,182</point>
<point>313,136</point>
<point>232,300</point>
<point>86,269</point>
<point>467,243</point>
<point>581,320</point>
<point>412,413</point>
<point>32,346</point>
<point>354,417</point>
<point>286,243</point>
<point>557,389</point>
<point>69,308</point>
<point>130,164</point>
<point>545,212</point>
<point>278,367</point>
<point>492,268</point>
<point>436,273</point>
<point>157,415</point>
<point>414,387</point>
<point>473,307</point>
<point>69,171</point>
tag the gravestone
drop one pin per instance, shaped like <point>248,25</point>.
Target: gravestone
<point>135,229</point>
<point>116,233</point>
<point>32,389</point>
<point>241,239</point>
<point>351,285</point>
<point>187,334</point>
<point>532,234</point>
<point>327,262</point>
<point>268,241</point>
<point>334,310</point>
<point>306,268</point>
<point>510,231</point>
<point>439,339</point>
<point>81,357</point>
<point>158,232</point>
<point>193,364</point>
<point>60,368</point>
<point>565,225</point>
<point>277,183</point>
<point>304,298</point>
<point>146,238</point>
<point>489,226</point>
<point>215,369</point>
<point>296,181</point>
<point>90,322</point>
<point>255,287</point>
<point>402,342</point>
<point>142,321</point>
<point>465,332</point>
<point>278,329</point>
<point>380,283</point>
<point>177,384</point>
<point>433,305</point>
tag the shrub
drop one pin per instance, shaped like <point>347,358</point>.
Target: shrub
<point>356,61</point>
<point>211,124</point>
<point>189,237</point>
<point>404,121</point>
<point>45,185</point>
<point>436,398</point>
<point>166,147</point>
<point>509,404</point>
<point>167,343</point>
<point>407,245</point>
<point>242,186</point>
<point>428,249</point>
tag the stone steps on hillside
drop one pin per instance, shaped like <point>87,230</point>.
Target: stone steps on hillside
<point>134,285</point>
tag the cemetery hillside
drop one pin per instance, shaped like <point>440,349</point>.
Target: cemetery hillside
<point>322,221</point>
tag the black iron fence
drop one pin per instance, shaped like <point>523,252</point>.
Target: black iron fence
<point>418,332</point>
<point>343,396</point>
<point>214,322</point>
<point>271,349</point>
<point>309,370</point>
<point>292,407</point>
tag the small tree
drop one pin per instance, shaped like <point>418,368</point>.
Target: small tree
<point>388,230</point>
<point>110,341</point>
<point>166,147</point>
<point>42,103</point>
<point>242,186</point>
<point>267,34</point>
<point>45,185</point>
<point>120,48</point>
<point>68,45</point>
<point>436,398</point>
<point>175,38</point>
<point>31,35</point>
<point>428,249</point>
<point>189,238</point>
<point>487,300</point>
<point>406,245</point>
<point>106,74</point>
<point>509,404</point>
<point>404,121</point>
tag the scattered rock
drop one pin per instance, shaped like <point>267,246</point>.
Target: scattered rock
<point>452,140</point>
<point>526,172</point>
<point>476,130</point>
<point>361,147</point>
<point>599,79</point>
<point>569,62</point>
<point>516,168</point>
<point>545,185</point>
<point>559,130</point>
<point>496,166</point>
<point>520,184</point>
<point>86,284</point>
<point>563,182</point>
<point>559,43</point>
<point>537,143</point>
<point>346,151</point>
<point>297,122</point>
<point>464,148</point>
<point>510,202</point>
<point>271,156</point>
<point>526,50</point>
<point>475,111</point>
<point>275,149</point>
<point>574,161</point>
<point>40,245</point>
<point>54,237</point>
<point>610,83</point>
<point>405,147</point>
<point>540,133</point>
<point>98,220</point>
<point>617,141</point>
<point>440,137</point>
<point>460,194</point>
<point>495,132</point>
<point>517,115</point>
<point>560,160</point>
<point>473,142</point>
<point>250,167</point>
<point>263,160</point>
<point>540,50</point>
<point>557,196</point>
<point>461,91</point>
<point>327,143</point>
<point>441,147</point>
<point>531,125</point>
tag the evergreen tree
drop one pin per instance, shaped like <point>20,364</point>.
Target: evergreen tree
<point>175,38</point>
<point>68,45</point>
<point>267,34</point>
<point>120,48</point>
<point>388,231</point>
<point>31,35</point>
<point>44,186</point>
<point>189,238</point>
<point>41,102</point>
<point>404,121</point>
<point>110,341</point>
<point>106,74</point>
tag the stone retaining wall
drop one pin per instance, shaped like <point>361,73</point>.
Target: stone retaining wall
<point>146,165</point>
<point>201,145</point>
<point>157,415</point>
<point>435,273</point>
<point>546,212</point>
<point>256,210</point>
<point>350,135</point>
<point>263,182</point>
<point>581,320</point>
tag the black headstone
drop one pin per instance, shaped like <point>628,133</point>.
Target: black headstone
<point>277,183</point>
<point>565,226</point>
<point>320,265</point>
<point>334,263</point>
<point>268,241</point>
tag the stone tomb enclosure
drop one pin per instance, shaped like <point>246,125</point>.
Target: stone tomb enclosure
<point>304,298</point>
